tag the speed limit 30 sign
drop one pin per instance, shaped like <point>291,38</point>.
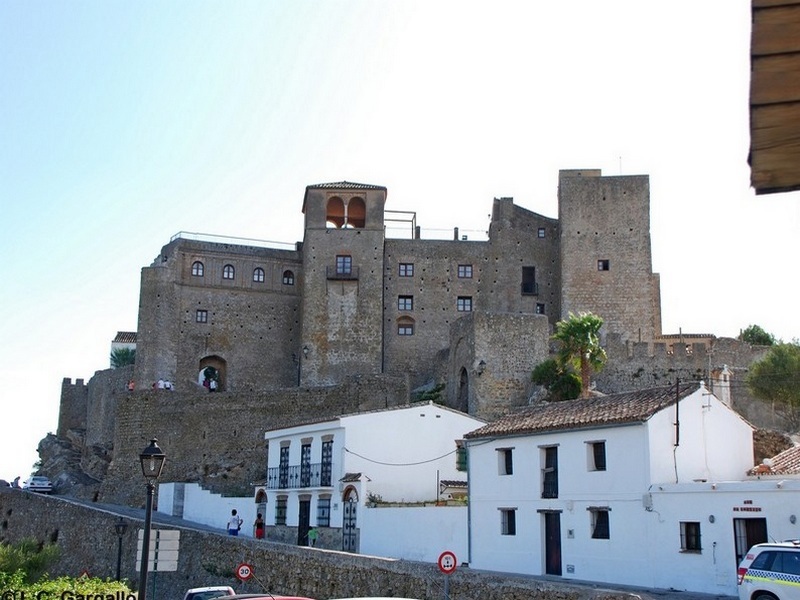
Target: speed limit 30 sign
<point>244,571</point>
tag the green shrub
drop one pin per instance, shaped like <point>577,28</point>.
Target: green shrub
<point>63,587</point>
<point>29,557</point>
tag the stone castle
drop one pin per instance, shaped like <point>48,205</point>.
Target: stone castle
<point>350,319</point>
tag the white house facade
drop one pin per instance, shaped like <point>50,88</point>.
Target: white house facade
<point>322,474</point>
<point>647,488</point>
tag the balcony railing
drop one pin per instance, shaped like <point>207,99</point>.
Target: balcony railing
<point>299,476</point>
<point>550,487</point>
<point>332,272</point>
<point>530,288</point>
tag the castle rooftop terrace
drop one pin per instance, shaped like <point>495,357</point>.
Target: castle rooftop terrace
<point>392,232</point>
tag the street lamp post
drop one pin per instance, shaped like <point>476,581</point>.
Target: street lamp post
<point>121,526</point>
<point>152,459</point>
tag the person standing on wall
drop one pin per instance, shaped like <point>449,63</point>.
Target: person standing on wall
<point>234,523</point>
<point>258,527</point>
<point>313,534</point>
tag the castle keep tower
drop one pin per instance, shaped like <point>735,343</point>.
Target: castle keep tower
<point>343,282</point>
<point>606,263</point>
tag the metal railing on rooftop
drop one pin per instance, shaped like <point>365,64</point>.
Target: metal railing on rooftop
<point>229,239</point>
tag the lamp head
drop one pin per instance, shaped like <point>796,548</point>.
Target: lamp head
<point>120,526</point>
<point>152,459</point>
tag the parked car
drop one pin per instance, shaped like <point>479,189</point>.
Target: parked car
<point>770,571</point>
<point>206,593</point>
<point>38,483</point>
<point>268,596</point>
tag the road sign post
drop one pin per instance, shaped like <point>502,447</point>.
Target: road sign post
<point>244,571</point>
<point>447,565</point>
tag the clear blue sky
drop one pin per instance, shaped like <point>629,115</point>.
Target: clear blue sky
<point>122,123</point>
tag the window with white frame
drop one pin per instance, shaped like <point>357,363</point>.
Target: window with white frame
<point>201,316</point>
<point>258,275</point>
<point>465,271</point>
<point>228,272</point>
<point>464,304</point>
<point>405,326</point>
<point>344,264</point>
<point>405,303</point>
<point>197,269</point>
<point>406,270</point>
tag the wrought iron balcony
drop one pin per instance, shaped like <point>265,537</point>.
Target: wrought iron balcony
<point>550,487</point>
<point>300,476</point>
<point>332,272</point>
<point>530,288</point>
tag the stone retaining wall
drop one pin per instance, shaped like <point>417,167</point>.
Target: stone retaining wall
<point>88,542</point>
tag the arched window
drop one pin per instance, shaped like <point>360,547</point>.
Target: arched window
<point>405,326</point>
<point>463,391</point>
<point>228,272</point>
<point>197,269</point>
<point>356,213</point>
<point>334,213</point>
<point>288,278</point>
<point>258,275</point>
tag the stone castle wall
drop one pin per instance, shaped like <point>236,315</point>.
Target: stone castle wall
<point>217,439</point>
<point>251,327</point>
<point>73,405</point>
<point>519,239</point>
<point>88,542</point>
<point>492,356</point>
<point>105,390</point>
<point>434,289</point>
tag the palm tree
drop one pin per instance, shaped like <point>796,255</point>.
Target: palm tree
<point>580,345</point>
<point>121,357</point>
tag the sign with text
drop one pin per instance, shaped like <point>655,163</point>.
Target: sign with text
<point>244,571</point>
<point>163,553</point>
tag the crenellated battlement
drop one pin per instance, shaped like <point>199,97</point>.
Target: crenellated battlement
<point>638,365</point>
<point>73,407</point>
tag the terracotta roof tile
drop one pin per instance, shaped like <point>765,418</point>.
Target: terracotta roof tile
<point>125,337</point>
<point>785,463</point>
<point>345,185</point>
<point>628,407</point>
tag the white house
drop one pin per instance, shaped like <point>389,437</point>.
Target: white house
<point>322,474</point>
<point>647,488</point>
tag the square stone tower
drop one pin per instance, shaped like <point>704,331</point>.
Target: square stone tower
<point>342,308</point>
<point>606,263</point>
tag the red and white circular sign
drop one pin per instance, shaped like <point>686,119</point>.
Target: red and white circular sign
<point>244,571</point>
<point>447,562</point>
